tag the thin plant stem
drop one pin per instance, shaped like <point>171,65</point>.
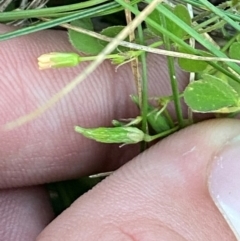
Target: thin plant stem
<point>162,9</point>
<point>206,23</point>
<point>203,7</point>
<point>230,42</point>
<point>144,100</point>
<point>220,13</point>
<point>192,33</point>
<point>134,63</point>
<point>172,75</point>
<point>169,118</point>
<point>213,27</point>
<point>151,48</point>
<point>161,135</point>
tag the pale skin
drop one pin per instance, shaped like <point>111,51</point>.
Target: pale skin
<point>159,195</point>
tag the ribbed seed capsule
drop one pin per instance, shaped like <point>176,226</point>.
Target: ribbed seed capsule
<point>126,135</point>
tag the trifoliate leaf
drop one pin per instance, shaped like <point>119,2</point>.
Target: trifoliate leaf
<point>210,94</point>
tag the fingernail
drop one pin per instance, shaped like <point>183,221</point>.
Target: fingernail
<point>224,183</point>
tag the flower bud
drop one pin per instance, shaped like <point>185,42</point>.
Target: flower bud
<point>158,121</point>
<point>58,60</point>
<point>126,135</point>
<point>118,59</point>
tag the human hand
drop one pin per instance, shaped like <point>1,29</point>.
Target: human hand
<point>160,195</point>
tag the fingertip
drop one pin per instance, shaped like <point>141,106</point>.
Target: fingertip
<point>25,213</point>
<point>166,187</point>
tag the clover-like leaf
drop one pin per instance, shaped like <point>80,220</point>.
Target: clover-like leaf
<point>180,11</point>
<point>234,50</point>
<point>112,32</point>
<point>211,94</point>
<point>83,42</point>
<point>233,83</point>
<point>155,16</point>
<point>191,65</point>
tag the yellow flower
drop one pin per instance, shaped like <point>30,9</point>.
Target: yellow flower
<point>58,60</point>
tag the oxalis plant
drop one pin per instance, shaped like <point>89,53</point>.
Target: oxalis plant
<point>171,28</point>
<point>214,70</point>
<point>214,84</point>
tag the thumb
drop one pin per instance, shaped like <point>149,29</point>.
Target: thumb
<point>163,194</point>
<point>224,180</point>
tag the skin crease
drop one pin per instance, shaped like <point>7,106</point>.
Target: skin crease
<point>24,213</point>
<point>160,195</point>
<point>31,88</point>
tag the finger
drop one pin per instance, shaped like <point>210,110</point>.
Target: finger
<point>24,213</point>
<point>160,195</point>
<point>47,149</point>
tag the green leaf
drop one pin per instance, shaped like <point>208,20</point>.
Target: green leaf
<point>235,3</point>
<point>155,16</point>
<point>82,42</point>
<point>235,85</point>
<point>238,38</point>
<point>180,11</point>
<point>234,51</point>
<point>210,94</point>
<point>112,32</point>
<point>191,65</point>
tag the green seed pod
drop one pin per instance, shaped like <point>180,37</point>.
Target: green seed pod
<point>158,121</point>
<point>126,135</point>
